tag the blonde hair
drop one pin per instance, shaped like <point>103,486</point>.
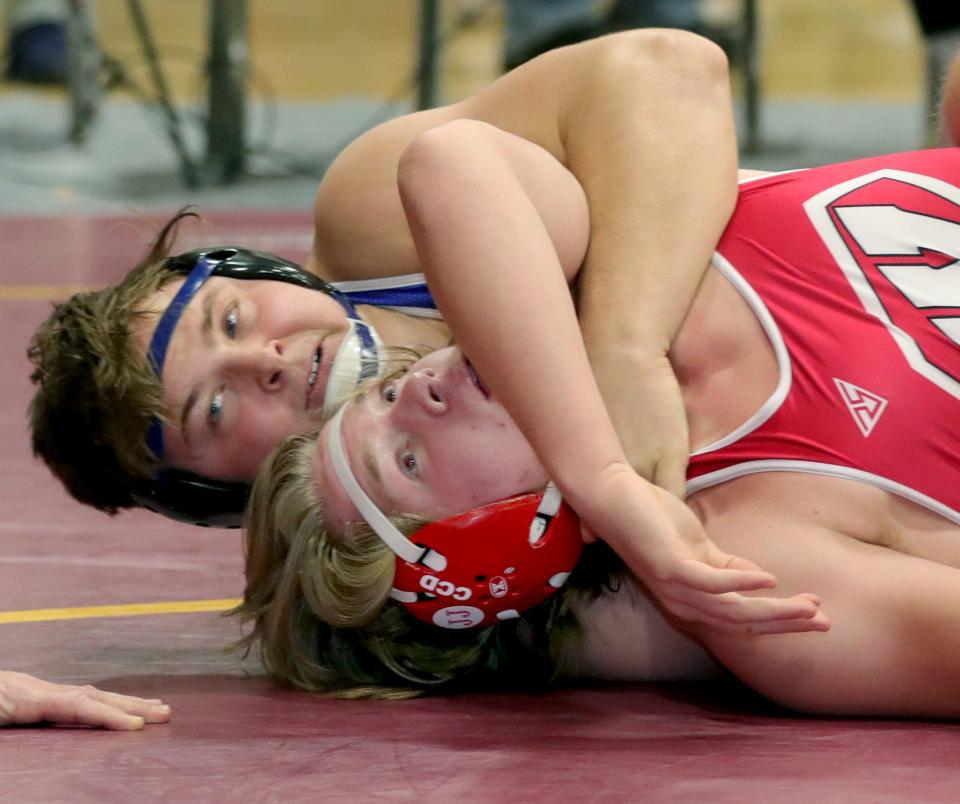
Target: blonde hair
<point>322,619</point>
<point>344,579</point>
<point>301,577</point>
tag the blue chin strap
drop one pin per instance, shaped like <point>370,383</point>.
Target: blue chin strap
<point>182,495</point>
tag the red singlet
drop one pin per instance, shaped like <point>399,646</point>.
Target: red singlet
<point>854,272</point>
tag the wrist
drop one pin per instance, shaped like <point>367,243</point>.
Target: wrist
<point>601,496</point>
<point>629,342</point>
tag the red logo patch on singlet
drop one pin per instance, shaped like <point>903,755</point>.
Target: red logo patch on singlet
<point>902,263</point>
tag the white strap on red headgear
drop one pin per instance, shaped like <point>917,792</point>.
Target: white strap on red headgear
<point>399,544</point>
<point>479,567</point>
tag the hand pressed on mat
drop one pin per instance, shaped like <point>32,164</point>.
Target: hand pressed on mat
<point>25,699</point>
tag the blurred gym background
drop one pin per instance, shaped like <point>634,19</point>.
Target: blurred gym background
<point>814,82</point>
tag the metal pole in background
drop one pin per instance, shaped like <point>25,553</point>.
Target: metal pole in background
<point>163,94</point>
<point>751,77</point>
<point>228,67</point>
<point>428,59</point>
<point>84,62</point>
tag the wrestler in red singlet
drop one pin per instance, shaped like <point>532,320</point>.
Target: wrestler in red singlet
<point>854,271</point>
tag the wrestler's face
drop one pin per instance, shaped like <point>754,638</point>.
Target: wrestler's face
<point>431,443</point>
<point>237,375</point>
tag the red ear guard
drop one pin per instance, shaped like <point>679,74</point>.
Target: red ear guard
<point>499,562</point>
<point>478,568</point>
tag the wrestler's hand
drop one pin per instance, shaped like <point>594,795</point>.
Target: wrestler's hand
<point>656,442</point>
<point>25,699</point>
<point>666,547</point>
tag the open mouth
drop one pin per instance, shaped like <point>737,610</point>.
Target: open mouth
<point>475,378</point>
<point>314,373</point>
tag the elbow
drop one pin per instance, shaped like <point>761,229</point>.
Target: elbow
<point>437,172</point>
<point>433,154</point>
<point>652,52</point>
<point>418,161</point>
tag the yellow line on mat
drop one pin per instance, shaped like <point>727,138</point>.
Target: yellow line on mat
<point>122,610</point>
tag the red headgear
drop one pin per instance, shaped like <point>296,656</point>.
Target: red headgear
<point>479,567</point>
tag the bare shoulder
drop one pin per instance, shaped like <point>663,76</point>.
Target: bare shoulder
<point>889,650</point>
<point>360,231</point>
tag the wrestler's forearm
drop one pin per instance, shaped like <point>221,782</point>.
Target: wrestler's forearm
<point>656,153</point>
<point>490,253</point>
<point>649,133</point>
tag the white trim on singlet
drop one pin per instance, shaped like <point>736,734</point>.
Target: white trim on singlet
<point>772,331</point>
<point>782,356</point>
<point>417,312</point>
<point>767,174</point>
<point>380,283</point>
<point>827,469</point>
<point>818,210</point>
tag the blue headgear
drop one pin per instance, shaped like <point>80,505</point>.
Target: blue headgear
<point>185,496</point>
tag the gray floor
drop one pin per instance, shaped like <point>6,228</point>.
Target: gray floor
<point>127,162</point>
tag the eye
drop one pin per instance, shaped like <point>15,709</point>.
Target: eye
<point>216,408</point>
<point>408,465</point>
<point>388,392</point>
<point>387,386</point>
<point>230,321</point>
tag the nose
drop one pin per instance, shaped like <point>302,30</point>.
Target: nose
<point>263,363</point>
<point>421,393</point>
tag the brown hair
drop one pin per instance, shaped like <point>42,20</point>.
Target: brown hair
<point>96,393</point>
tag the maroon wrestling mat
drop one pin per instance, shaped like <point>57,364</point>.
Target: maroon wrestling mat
<point>235,736</point>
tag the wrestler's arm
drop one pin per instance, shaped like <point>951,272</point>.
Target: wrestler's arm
<point>658,161</point>
<point>25,699</point>
<point>474,219</point>
<point>893,647</point>
<point>643,119</point>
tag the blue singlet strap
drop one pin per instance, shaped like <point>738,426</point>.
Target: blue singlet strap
<point>408,296</point>
<point>160,342</point>
<point>369,345</point>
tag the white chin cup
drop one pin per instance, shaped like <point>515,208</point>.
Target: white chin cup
<point>352,364</point>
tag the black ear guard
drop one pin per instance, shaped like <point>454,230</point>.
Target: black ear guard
<point>187,497</point>
<point>244,263</point>
<point>197,500</point>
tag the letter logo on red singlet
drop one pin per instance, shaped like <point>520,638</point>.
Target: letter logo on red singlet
<point>865,407</point>
<point>896,237</point>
